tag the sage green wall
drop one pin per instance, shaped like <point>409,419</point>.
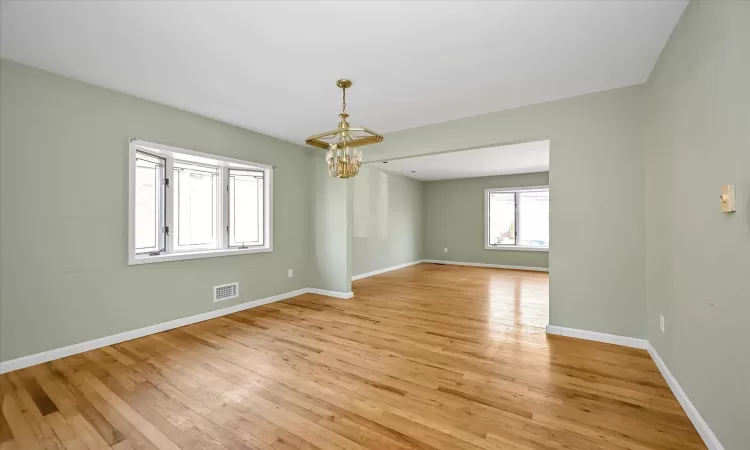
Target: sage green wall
<point>596,177</point>
<point>64,276</point>
<point>454,218</point>
<point>387,220</point>
<point>698,259</point>
<point>331,228</point>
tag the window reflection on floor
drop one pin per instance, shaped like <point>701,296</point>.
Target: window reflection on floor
<point>518,298</point>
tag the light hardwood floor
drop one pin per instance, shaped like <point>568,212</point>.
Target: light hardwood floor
<point>430,357</point>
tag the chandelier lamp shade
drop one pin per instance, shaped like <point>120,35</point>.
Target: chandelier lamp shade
<point>342,145</point>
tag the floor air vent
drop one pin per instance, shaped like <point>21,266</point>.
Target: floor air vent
<point>226,291</point>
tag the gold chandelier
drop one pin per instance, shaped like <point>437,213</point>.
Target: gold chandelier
<point>343,155</point>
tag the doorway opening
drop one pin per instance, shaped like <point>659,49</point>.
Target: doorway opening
<point>487,208</point>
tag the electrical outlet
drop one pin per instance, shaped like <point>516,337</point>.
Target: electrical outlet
<point>290,273</point>
<point>661,322</point>
<point>445,250</point>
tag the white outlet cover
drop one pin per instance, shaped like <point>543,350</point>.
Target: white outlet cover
<point>661,322</point>
<point>445,250</point>
<point>290,273</point>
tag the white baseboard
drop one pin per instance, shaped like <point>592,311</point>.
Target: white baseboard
<point>387,269</point>
<point>599,337</point>
<point>495,266</point>
<point>330,293</point>
<point>62,352</point>
<point>708,436</point>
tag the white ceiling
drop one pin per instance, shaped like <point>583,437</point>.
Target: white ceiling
<point>482,162</point>
<point>271,66</point>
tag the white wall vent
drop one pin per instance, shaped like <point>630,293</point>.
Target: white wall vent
<point>226,291</point>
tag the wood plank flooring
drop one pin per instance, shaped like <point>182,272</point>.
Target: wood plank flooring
<point>429,357</point>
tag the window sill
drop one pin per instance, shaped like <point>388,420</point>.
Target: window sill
<point>520,248</point>
<point>144,259</point>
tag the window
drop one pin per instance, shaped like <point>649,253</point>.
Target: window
<point>186,204</point>
<point>517,218</point>
<point>149,203</point>
<point>245,200</point>
<point>196,200</point>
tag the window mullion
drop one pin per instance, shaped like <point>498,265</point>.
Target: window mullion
<point>517,197</point>
<point>162,224</point>
<point>487,213</point>
<point>261,216</point>
<point>169,204</point>
<point>268,208</point>
<point>224,213</point>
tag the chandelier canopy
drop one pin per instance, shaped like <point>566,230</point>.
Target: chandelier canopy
<point>343,154</point>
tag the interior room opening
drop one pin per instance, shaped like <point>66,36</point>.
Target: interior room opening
<point>478,216</point>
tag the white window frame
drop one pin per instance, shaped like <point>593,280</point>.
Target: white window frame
<point>517,191</point>
<point>170,154</point>
<point>161,222</point>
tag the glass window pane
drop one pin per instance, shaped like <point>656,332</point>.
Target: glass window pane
<point>502,218</point>
<point>149,174</point>
<point>195,206</point>
<point>533,212</point>
<point>246,197</point>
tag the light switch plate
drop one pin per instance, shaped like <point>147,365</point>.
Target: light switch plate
<point>728,198</point>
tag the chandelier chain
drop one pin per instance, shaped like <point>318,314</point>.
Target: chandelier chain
<point>343,102</point>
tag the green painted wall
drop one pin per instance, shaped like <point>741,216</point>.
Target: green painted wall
<point>698,259</point>
<point>454,219</point>
<point>387,220</point>
<point>596,178</point>
<point>331,228</point>
<point>64,276</point>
